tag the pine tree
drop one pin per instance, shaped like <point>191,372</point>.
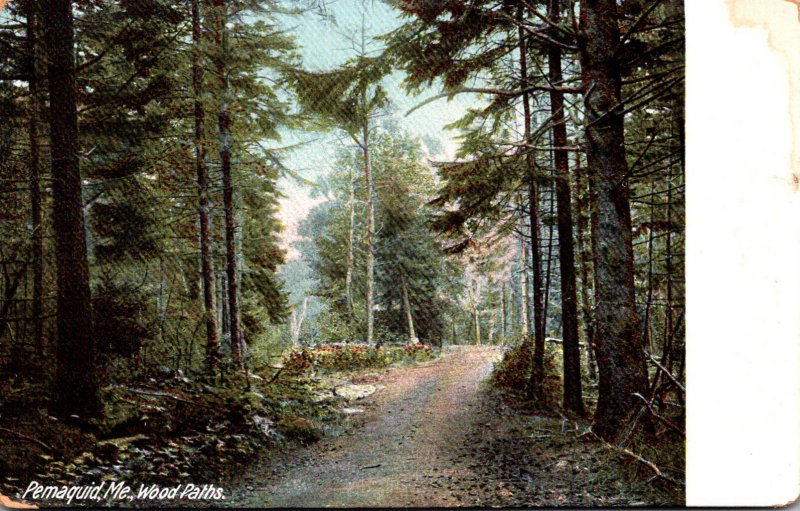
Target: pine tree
<point>573,396</point>
<point>349,98</point>
<point>76,383</point>
<point>620,351</point>
<point>204,218</point>
<point>412,271</point>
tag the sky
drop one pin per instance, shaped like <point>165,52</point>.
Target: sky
<point>326,44</point>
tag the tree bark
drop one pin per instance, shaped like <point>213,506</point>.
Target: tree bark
<point>34,169</point>
<point>620,350</point>
<point>370,233</point>
<point>234,316</point>
<point>76,380</point>
<point>348,283</point>
<point>474,293</point>
<point>537,374</point>
<point>573,392</point>
<point>586,282</point>
<point>206,256</point>
<point>523,289</point>
<point>297,324</point>
<point>503,309</point>
<point>412,335</point>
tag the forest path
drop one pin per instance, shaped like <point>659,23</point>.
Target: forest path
<point>403,451</point>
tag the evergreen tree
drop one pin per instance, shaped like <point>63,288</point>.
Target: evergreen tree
<point>349,98</point>
<point>412,271</point>
<point>76,380</point>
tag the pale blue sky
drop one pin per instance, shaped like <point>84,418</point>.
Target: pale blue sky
<point>325,44</point>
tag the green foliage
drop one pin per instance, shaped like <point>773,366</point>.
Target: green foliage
<point>344,98</point>
<point>336,327</point>
<point>407,253</point>
<point>137,125</point>
<point>120,312</point>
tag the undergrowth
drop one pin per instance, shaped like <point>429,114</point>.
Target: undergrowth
<point>629,467</point>
<point>164,426</point>
<point>513,374</point>
<point>353,357</point>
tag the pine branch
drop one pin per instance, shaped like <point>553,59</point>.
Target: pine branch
<point>498,92</point>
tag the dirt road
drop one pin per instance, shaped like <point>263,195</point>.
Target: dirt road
<point>401,452</point>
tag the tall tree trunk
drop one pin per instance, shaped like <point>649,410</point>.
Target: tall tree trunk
<point>348,283</point>
<point>297,324</point>
<point>537,374</point>
<point>474,293</point>
<point>646,330</point>
<point>412,335</point>
<point>76,381</point>
<point>491,325</point>
<point>667,358</point>
<point>573,393</point>
<point>620,351</point>
<point>586,282</point>
<point>206,256</point>
<point>231,269</point>
<point>477,315</point>
<point>503,310</point>
<point>370,234</point>
<point>548,273</point>
<point>523,289</point>
<point>34,169</point>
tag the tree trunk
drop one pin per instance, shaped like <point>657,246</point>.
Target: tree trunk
<point>348,283</point>
<point>573,393</point>
<point>620,351</point>
<point>503,310</point>
<point>666,359</point>
<point>477,315</point>
<point>474,293</point>
<point>234,316</point>
<point>76,381</point>
<point>370,236</point>
<point>523,289</point>
<point>548,273</point>
<point>537,374</point>
<point>206,256</point>
<point>586,282</point>
<point>491,325</point>
<point>412,336</point>
<point>297,324</point>
<point>34,169</point>
<point>646,330</point>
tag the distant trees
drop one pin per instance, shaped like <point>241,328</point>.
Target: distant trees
<point>411,271</point>
<point>348,99</point>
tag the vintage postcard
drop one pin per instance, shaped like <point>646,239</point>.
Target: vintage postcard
<point>398,253</point>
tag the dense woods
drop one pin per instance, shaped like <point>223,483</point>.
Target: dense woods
<point>147,157</point>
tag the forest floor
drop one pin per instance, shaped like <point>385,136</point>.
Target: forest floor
<point>435,435</point>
